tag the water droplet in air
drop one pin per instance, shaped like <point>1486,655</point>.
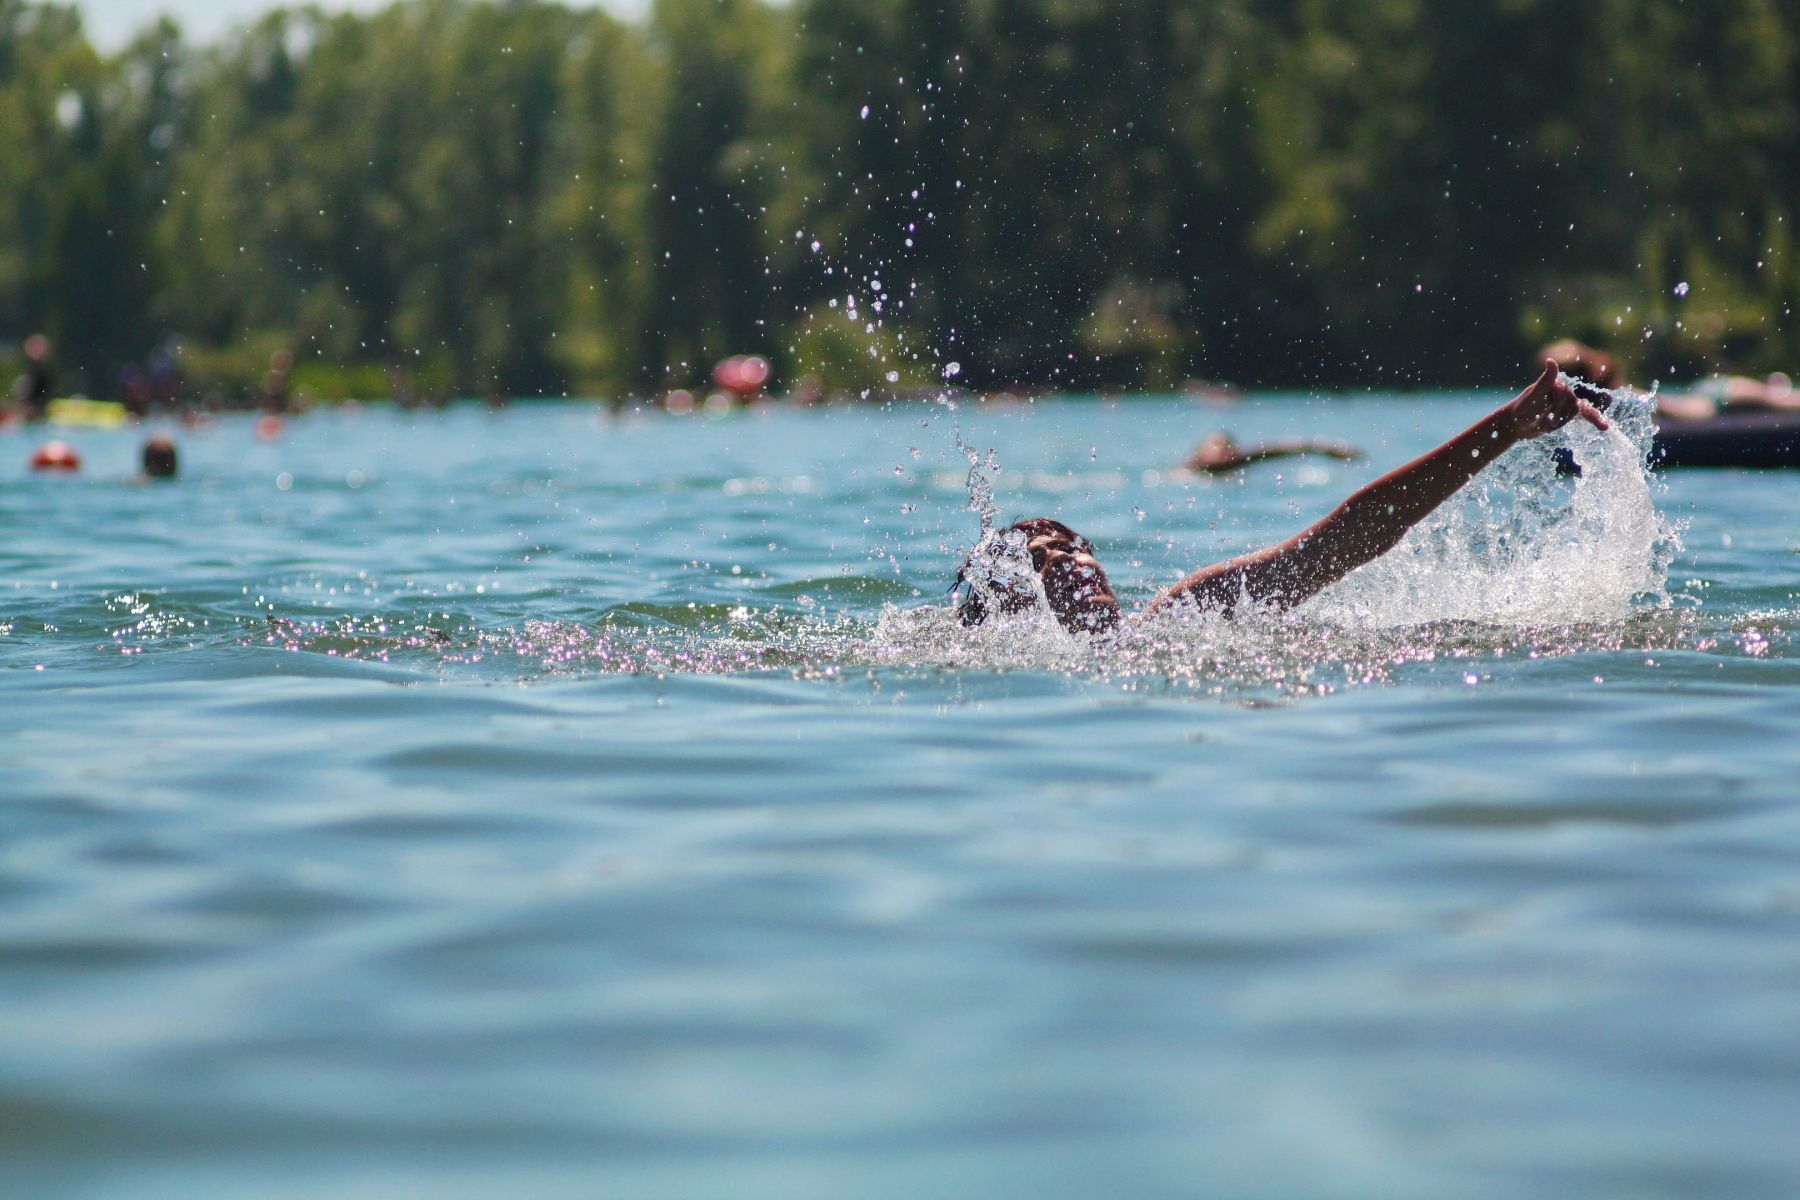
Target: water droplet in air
<point>865,112</point>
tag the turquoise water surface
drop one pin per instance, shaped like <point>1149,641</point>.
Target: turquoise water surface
<point>472,804</point>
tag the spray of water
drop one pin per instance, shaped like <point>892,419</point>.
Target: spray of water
<point>1525,545</point>
<point>1526,563</point>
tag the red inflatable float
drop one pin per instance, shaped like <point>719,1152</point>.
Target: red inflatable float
<point>55,456</point>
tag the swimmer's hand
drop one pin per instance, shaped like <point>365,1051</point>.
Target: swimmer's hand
<point>1547,405</point>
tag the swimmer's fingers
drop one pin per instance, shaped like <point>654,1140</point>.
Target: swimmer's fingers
<point>1550,403</point>
<point>1589,399</point>
<point>1562,390</point>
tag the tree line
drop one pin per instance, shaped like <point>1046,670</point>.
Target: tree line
<point>525,198</point>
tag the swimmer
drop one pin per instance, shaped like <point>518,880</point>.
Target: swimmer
<point>1705,399</point>
<point>35,385</point>
<point>160,458</point>
<point>1361,529</point>
<point>1219,453</point>
<point>1583,362</point>
<point>1715,393</point>
<point>276,398</point>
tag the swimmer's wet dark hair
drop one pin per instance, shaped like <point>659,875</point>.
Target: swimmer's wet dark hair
<point>1073,581</point>
<point>160,458</point>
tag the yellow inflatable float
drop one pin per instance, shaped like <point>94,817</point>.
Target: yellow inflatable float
<point>89,414</point>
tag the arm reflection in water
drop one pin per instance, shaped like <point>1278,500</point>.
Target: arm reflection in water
<point>1364,527</point>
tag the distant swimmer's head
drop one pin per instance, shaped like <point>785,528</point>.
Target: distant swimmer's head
<point>160,459</point>
<point>1064,563</point>
<point>1582,361</point>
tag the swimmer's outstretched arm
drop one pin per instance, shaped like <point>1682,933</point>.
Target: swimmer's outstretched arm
<point>1372,521</point>
<point>1219,454</point>
<point>1293,447</point>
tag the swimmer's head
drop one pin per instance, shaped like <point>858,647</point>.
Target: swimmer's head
<point>160,459</point>
<point>1073,581</point>
<point>1582,361</point>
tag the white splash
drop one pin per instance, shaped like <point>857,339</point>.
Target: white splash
<point>1523,546</point>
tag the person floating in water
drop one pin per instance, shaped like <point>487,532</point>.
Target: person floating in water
<point>1700,402</point>
<point>1364,527</point>
<point>1219,453</point>
<point>1718,393</point>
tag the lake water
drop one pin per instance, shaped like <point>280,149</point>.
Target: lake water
<point>468,804</point>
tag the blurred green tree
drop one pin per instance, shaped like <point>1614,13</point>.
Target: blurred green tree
<point>534,199</point>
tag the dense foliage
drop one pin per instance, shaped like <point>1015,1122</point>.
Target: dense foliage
<point>535,199</point>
